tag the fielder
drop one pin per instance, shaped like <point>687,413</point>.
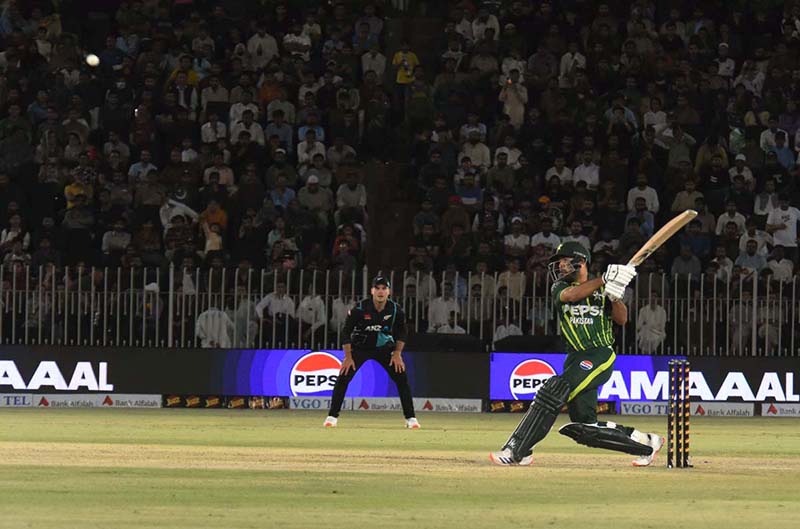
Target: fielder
<point>375,329</point>
<point>585,309</point>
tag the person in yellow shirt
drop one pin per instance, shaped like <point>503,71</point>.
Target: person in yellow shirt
<point>79,186</point>
<point>405,61</point>
<point>184,65</point>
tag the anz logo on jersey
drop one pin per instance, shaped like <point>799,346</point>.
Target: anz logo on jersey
<point>582,314</point>
<point>373,328</point>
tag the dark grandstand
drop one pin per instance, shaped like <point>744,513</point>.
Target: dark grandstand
<point>231,173</point>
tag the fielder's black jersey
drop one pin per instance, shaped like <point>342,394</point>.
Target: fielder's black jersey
<point>368,328</point>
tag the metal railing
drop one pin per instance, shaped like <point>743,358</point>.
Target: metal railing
<point>148,307</point>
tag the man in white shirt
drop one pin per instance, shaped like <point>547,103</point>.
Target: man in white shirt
<point>726,66</point>
<point>311,312</point>
<point>297,43</point>
<point>451,327</point>
<point>782,268</point>
<point>477,151</point>
<point>782,224</point>
<point>559,170</point>
<point>485,21</point>
<point>740,168</point>
<point>588,172</point>
<point>724,263</point>
<point>576,234</point>
<point>731,215</point>
<point>651,325</point>
<point>247,125</point>
<point>546,237</point>
<point>339,309</point>
<point>262,47</point>
<point>645,191</point>
<point>308,148</point>
<point>277,304</point>
<point>762,238</point>
<point>173,208</point>
<point>441,307</point>
<point>374,61</point>
<point>767,141</point>
<point>213,130</point>
<point>572,61</point>
<point>517,242</point>
<point>237,109</point>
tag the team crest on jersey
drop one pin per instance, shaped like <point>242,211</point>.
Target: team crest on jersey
<point>367,316</point>
<point>387,317</point>
<point>586,365</point>
<point>597,294</point>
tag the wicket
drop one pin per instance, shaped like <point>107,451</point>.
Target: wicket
<point>678,415</point>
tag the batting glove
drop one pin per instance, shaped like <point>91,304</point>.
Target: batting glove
<point>622,274</point>
<point>615,291</point>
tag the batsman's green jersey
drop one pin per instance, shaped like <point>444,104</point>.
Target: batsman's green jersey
<point>585,324</point>
<point>588,335</point>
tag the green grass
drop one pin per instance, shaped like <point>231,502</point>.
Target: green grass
<point>263,469</point>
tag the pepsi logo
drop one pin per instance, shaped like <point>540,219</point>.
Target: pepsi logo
<point>586,365</point>
<point>315,374</point>
<point>528,376</point>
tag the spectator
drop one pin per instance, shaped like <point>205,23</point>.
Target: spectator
<point>686,199</point>
<point>646,218</point>
<point>452,326</point>
<point>782,225</point>
<point>752,233</point>
<point>440,308</point>
<point>768,137</point>
<point>645,191</point>
<point>651,325</point>
<point>588,171</point>
<point>782,268</point>
<point>731,215</point>
<point>686,264</point>
<point>546,237</point>
<point>750,260</point>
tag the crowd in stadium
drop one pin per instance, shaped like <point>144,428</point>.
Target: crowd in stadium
<point>236,134</point>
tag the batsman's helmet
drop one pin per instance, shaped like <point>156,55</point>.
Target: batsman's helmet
<point>578,255</point>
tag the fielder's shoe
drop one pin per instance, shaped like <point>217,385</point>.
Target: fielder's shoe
<point>413,423</point>
<point>656,442</point>
<point>505,458</point>
<point>330,422</point>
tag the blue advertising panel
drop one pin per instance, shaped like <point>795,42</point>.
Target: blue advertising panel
<point>517,376</point>
<point>301,373</point>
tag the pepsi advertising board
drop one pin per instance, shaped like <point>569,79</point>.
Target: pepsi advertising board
<point>518,376</point>
<point>642,378</point>
<point>255,372</point>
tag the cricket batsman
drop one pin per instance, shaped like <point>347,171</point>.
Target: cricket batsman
<point>586,308</point>
<point>375,329</point>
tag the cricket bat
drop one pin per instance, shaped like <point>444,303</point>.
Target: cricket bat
<point>661,236</point>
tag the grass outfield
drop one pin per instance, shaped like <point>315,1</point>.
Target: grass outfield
<point>280,469</point>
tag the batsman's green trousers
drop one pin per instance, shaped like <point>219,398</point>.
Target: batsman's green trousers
<point>586,371</point>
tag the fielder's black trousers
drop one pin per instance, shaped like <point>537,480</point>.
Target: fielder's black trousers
<point>382,357</point>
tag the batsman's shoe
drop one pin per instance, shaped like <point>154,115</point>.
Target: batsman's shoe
<point>656,442</point>
<point>330,422</point>
<point>504,458</point>
<point>412,424</point>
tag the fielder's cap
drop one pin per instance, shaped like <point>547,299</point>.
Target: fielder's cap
<point>741,157</point>
<point>381,280</point>
<point>516,219</point>
<point>313,179</point>
<point>723,45</point>
<point>282,151</point>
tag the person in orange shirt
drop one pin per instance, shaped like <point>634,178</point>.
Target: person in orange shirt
<point>214,214</point>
